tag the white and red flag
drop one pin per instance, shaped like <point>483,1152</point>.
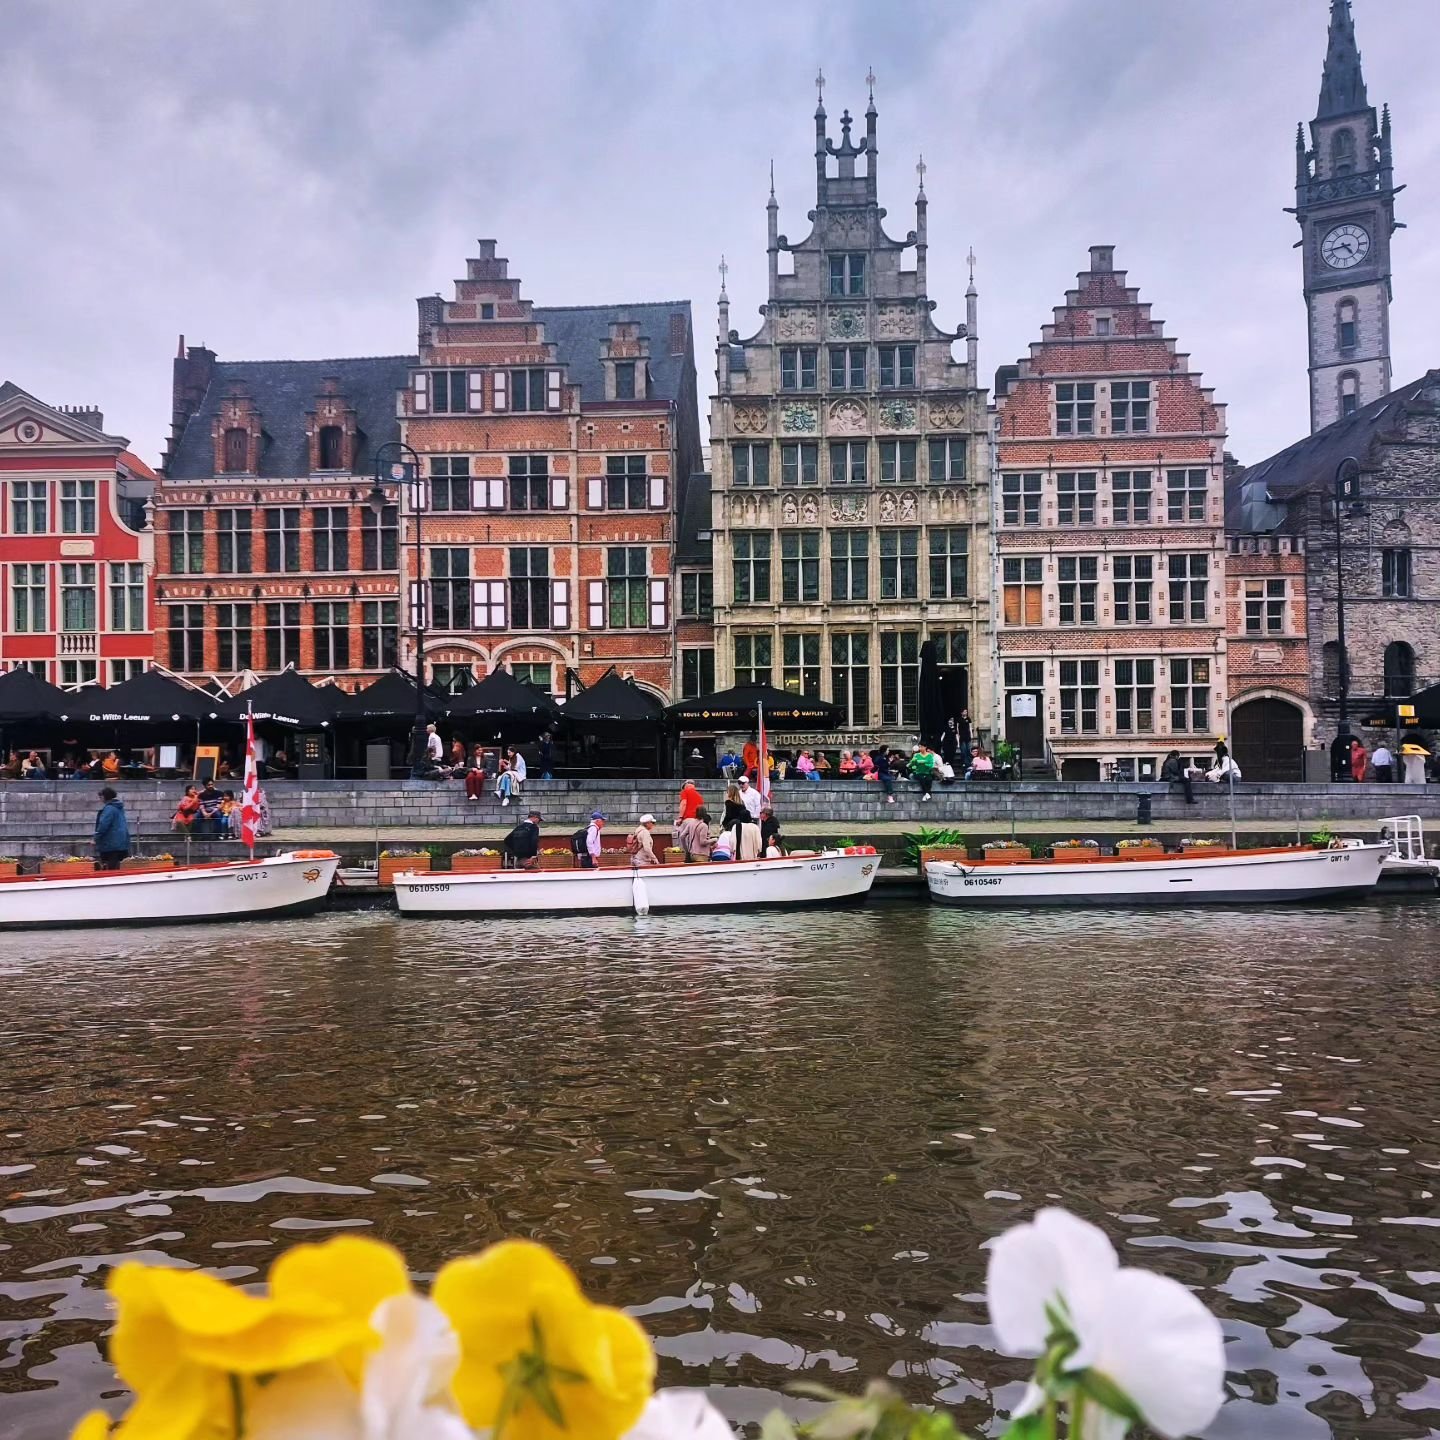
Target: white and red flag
<point>764,758</point>
<point>251,798</point>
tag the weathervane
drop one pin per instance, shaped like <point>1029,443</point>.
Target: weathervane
<point>820,86</point>
<point>724,271</point>
<point>970,261</point>
<point>870,81</point>
<point>920,168</point>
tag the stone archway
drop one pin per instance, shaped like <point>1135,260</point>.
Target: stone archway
<point>1267,738</point>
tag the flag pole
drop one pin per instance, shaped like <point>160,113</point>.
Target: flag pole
<point>764,776</point>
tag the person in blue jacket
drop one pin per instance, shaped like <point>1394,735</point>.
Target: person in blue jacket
<point>112,830</point>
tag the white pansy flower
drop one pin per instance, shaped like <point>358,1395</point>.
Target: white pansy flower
<point>680,1415</point>
<point>1144,1333</point>
<point>404,1395</point>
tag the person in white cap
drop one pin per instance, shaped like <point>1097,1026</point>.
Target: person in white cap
<point>642,843</point>
<point>750,798</point>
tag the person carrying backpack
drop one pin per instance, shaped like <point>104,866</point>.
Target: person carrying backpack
<point>586,842</point>
<point>641,843</point>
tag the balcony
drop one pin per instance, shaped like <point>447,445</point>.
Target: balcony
<point>79,642</point>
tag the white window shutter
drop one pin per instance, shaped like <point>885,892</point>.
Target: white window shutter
<point>596,590</point>
<point>476,389</point>
<point>497,604</point>
<point>552,389</point>
<point>658,603</point>
<point>595,493</point>
<point>500,388</point>
<point>657,492</point>
<point>478,493</point>
<point>497,493</point>
<point>422,391</point>
<point>420,494</point>
<point>417,605</point>
<point>560,604</point>
<point>558,496</point>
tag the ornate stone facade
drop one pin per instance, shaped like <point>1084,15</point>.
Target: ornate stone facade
<point>850,462</point>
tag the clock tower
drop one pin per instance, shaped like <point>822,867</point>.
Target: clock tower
<point>1345,204</point>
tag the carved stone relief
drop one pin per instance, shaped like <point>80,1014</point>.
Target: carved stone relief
<point>847,324</point>
<point>810,510</point>
<point>849,225</point>
<point>898,414</point>
<point>887,507</point>
<point>895,320</point>
<point>751,419</point>
<point>797,325</point>
<point>947,414</point>
<point>847,417</point>
<point>797,419</point>
<point>907,505</point>
<point>849,509</point>
<point>789,510</point>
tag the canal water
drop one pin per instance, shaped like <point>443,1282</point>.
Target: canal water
<point>782,1141</point>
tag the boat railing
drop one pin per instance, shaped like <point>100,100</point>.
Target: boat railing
<point>1406,836</point>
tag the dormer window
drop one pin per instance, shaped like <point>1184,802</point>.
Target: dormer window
<point>487,309</point>
<point>237,451</point>
<point>332,447</point>
<point>624,379</point>
<point>847,274</point>
<point>1102,324</point>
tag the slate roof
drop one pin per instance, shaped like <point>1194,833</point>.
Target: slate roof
<point>1342,85</point>
<point>1254,502</point>
<point>581,330</point>
<point>283,392</point>
<point>695,520</point>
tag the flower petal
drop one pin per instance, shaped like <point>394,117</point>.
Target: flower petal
<point>94,1426</point>
<point>1087,1265</point>
<point>411,1372</point>
<point>681,1415</point>
<point>350,1271</point>
<point>1164,1350</point>
<point>315,1402</point>
<point>1021,1278</point>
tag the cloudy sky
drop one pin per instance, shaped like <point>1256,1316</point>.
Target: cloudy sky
<point>281,178</point>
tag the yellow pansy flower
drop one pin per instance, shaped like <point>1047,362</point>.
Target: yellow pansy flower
<point>538,1360</point>
<point>94,1426</point>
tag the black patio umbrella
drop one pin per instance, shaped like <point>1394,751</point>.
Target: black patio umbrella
<point>739,708</point>
<point>284,699</point>
<point>25,696</point>
<point>613,702</point>
<point>150,698</point>
<point>391,697</point>
<point>930,701</point>
<point>505,707</point>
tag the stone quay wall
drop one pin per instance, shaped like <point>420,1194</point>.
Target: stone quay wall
<point>58,814</point>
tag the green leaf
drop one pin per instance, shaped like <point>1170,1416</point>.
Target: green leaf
<point>777,1426</point>
<point>1029,1427</point>
<point>1104,1391</point>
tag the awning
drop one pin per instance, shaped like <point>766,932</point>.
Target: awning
<point>502,699</point>
<point>740,706</point>
<point>284,699</point>
<point>391,697</point>
<point>150,698</point>
<point>25,696</point>
<point>613,700</point>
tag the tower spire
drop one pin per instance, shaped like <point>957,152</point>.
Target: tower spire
<point>1342,85</point>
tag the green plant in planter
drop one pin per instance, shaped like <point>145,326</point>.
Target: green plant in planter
<point>1006,752</point>
<point>1323,837</point>
<point>928,837</point>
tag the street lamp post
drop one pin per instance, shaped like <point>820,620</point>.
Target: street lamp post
<point>1340,750</point>
<point>402,473</point>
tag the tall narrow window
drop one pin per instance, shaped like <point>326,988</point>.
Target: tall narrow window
<point>29,599</point>
<point>1129,407</point>
<point>282,541</point>
<point>1079,697</point>
<point>1342,152</point>
<point>897,461</point>
<point>847,274</point>
<point>1399,668</point>
<point>379,633</point>
<point>1079,581</point>
<point>1075,497</point>
<point>800,567</point>
<point>697,671</point>
<point>332,538</point>
<point>750,464</point>
<point>234,638</point>
<point>1075,407</point>
<point>899,564</point>
<point>379,538</point>
<point>949,564</point>
<point>187,637</point>
<point>282,635</point>
<point>332,447</point>
<point>847,367</point>
<point>1345,315</point>
<point>751,552</point>
<point>449,392</point>
<point>127,595</point>
<point>697,594</point>
<point>947,457</point>
<point>800,664</point>
<point>1349,384</point>
<point>1134,584</point>
<point>236,451</point>
<point>28,507</point>
<point>1130,497</point>
<point>850,677</point>
<point>897,367</point>
<point>77,598</point>
<point>754,659</point>
<point>528,390</point>
<point>77,507</point>
<point>450,588</point>
<point>530,587</point>
<point>800,463</point>
<point>529,482</point>
<point>627,585</point>
<point>1024,589</point>
<point>849,565</point>
<point>187,542</point>
<point>1265,607</point>
<point>1020,498</point>
<point>450,483</point>
<point>799,368</point>
<point>849,462</point>
<point>1395,574</point>
<point>1134,696</point>
<point>1185,493</point>
<point>624,379</point>
<point>899,676</point>
<point>1330,667</point>
<point>627,482</point>
<point>1189,587</point>
<point>233,541</point>
<point>331,631</point>
<point>1190,696</point>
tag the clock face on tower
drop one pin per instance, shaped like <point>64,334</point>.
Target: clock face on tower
<point>1345,246</point>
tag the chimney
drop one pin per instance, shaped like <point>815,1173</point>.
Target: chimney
<point>1102,259</point>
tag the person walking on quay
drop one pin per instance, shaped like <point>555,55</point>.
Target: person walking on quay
<point>750,797</point>
<point>1176,772</point>
<point>112,830</point>
<point>1384,763</point>
<point>880,759</point>
<point>950,744</point>
<point>689,801</point>
<point>546,756</point>
<point>521,847</point>
<point>1359,758</point>
<point>641,843</point>
<point>965,731</point>
<point>922,769</point>
<point>434,746</point>
<point>692,835</point>
<point>1413,757</point>
<point>587,847</point>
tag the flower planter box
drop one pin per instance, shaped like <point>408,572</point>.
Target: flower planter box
<point>1203,849</point>
<point>565,861</point>
<point>1140,852</point>
<point>945,852</point>
<point>614,860</point>
<point>71,868</point>
<point>146,863</point>
<point>469,864</point>
<point>1074,852</point>
<point>1007,853</point>
<point>392,865</point>
<point>9,869</point>
<point>673,855</point>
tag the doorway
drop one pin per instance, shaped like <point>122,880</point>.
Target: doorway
<point>1267,738</point>
<point>1024,723</point>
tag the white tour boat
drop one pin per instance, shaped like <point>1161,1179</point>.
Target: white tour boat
<point>1230,877</point>
<point>287,884</point>
<point>828,878</point>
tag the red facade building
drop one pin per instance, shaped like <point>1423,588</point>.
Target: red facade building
<point>74,604</point>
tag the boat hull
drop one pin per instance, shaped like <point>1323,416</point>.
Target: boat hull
<point>1257,878</point>
<point>742,885</point>
<point>189,895</point>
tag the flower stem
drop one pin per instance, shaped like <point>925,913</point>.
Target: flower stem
<point>1052,1418</point>
<point>237,1403</point>
<point>1077,1416</point>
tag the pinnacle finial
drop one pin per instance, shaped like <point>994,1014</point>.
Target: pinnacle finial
<point>970,261</point>
<point>870,82</point>
<point>920,169</point>
<point>724,271</point>
<point>772,177</point>
<point>820,87</point>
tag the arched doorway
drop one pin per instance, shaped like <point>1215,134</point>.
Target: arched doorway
<point>1267,738</point>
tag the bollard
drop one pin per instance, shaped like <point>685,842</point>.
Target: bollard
<point>1142,809</point>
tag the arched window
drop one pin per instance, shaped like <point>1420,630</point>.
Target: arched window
<point>332,447</point>
<point>1349,383</point>
<point>1345,324</point>
<point>1399,668</point>
<point>1342,152</point>
<point>237,451</point>
<point>1330,667</point>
